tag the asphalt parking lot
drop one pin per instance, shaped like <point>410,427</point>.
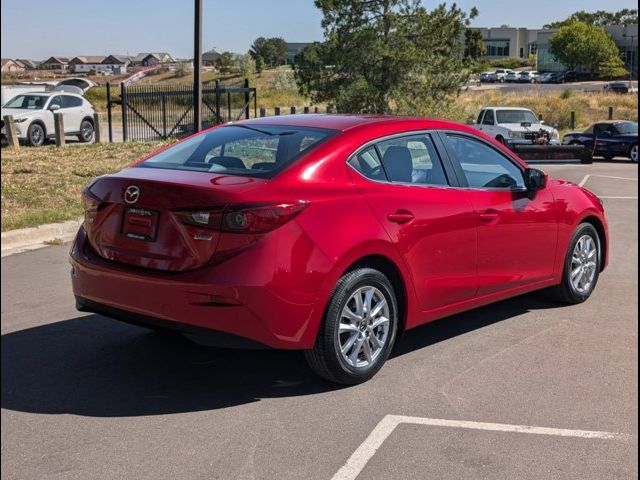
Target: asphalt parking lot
<point>524,389</point>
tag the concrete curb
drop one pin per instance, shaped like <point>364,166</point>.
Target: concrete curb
<point>25,239</point>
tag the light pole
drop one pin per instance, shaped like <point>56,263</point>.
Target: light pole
<point>197,65</point>
<point>633,57</point>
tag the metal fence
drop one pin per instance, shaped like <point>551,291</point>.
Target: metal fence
<point>161,111</point>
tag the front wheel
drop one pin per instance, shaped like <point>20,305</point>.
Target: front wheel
<point>633,154</point>
<point>35,135</point>
<point>358,330</point>
<point>581,266</point>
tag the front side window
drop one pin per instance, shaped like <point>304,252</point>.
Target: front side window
<point>603,129</point>
<point>412,159</point>
<point>260,151</point>
<point>488,118</point>
<point>27,102</point>
<point>485,167</point>
<point>57,100</point>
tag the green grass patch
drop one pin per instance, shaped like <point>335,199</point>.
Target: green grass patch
<point>42,185</point>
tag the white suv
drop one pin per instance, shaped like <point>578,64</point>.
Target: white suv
<point>500,75</point>
<point>513,125</point>
<point>34,121</point>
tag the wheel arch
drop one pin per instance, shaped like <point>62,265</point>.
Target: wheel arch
<point>602,236</point>
<point>89,119</point>
<point>390,270</point>
<point>39,122</point>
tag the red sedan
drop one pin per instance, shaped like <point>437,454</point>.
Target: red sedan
<point>330,234</point>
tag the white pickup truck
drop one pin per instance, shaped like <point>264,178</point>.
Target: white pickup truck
<point>514,125</point>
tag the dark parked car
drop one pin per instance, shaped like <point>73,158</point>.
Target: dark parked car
<point>608,139</point>
<point>617,87</point>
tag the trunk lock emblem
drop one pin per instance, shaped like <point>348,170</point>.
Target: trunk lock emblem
<point>132,194</point>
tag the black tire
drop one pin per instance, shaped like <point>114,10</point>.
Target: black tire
<point>566,292</point>
<point>630,153</point>
<point>86,131</point>
<point>501,139</point>
<point>35,135</point>
<point>326,358</point>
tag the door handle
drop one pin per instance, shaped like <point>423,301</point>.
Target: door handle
<point>489,216</point>
<point>400,216</point>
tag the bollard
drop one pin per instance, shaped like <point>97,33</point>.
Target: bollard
<point>293,110</point>
<point>316,110</point>
<point>263,112</point>
<point>305,110</point>
<point>58,120</point>
<point>610,113</point>
<point>572,121</point>
<point>97,136</point>
<point>10,129</point>
<point>276,111</point>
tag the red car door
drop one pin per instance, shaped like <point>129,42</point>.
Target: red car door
<point>517,230</point>
<point>432,225</point>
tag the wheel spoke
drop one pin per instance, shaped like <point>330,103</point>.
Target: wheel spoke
<point>359,305</point>
<point>347,327</point>
<point>379,321</point>
<point>375,341</point>
<point>349,343</point>
<point>368,297</point>
<point>353,356</point>
<point>367,351</point>
<point>378,308</point>
<point>350,315</point>
<point>575,273</point>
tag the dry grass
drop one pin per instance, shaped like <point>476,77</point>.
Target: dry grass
<point>551,106</point>
<point>42,185</point>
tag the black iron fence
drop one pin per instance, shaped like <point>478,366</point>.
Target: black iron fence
<point>161,111</point>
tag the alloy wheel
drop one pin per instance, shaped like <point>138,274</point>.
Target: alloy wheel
<point>634,154</point>
<point>584,262</point>
<point>364,327</point>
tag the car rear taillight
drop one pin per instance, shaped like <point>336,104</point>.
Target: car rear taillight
<point>243,218</point>
<point>90,205</point>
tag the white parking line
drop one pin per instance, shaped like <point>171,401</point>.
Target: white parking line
<point>381,432</point>
<point>618,198</point>
<point>584,180</point>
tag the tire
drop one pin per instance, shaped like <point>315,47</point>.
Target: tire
<point>501,139</point>
<point>568,291</point>
<point>633,153</point>
<point>362,358</point>
<point>86,131</point>
<point>35,135</point>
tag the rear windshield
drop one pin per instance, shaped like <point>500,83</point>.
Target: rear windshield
<point>260,151</point>
<point>627,128</point>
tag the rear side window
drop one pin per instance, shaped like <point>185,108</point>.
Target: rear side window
<point>485,167</point>
<point>69,102</point>
<point>412,159</point>
<point>368,164</point>
<point>240,150</point>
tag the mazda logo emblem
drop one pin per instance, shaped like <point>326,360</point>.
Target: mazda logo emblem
<point>131,194</point>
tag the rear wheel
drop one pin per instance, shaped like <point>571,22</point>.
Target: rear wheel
<point>633,153</point>
<point>581,266</point>
<point>86,131</point>
<point>35,135</point>
<point>358,330</point>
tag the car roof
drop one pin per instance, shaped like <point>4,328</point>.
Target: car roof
<point>507,108</point>
<point>343,122</point>
<point>52,93</point>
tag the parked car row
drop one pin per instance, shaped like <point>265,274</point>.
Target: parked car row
<point>527,76</point>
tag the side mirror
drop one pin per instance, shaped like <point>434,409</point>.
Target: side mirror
<point>535,179</point>
<point>53,108</point>
<point>542,122</point>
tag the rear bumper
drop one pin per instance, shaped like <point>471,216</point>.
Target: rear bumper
<point>239,297</point>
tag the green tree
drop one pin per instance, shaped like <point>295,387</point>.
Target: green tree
<point>259,64</point>
<point>272,50</point>
<point>612,69</point>
<point>247,67</point>
<point>474,46</point>
<point>599,18</point>
<point>578,44</point>
<point>385,56</point>
<point>225,62</point>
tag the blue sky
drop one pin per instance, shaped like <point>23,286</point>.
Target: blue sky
<point>37,29</point>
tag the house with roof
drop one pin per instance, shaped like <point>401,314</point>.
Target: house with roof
<point>11,66</point>
<point>28,64</point>
<point>117,64</point>
<point>57,64</point>
<point>152,59</point>
<point>87,64</point>
<point>211,57</point>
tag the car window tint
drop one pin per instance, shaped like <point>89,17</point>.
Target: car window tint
<point>485,167</point>
<point>69,102</point>
<point>479,120</point>
<point>57,100</point>
<point>488,118</point>
<point>602,128</point>
<point>412,159</point>
<point>368,164</point>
